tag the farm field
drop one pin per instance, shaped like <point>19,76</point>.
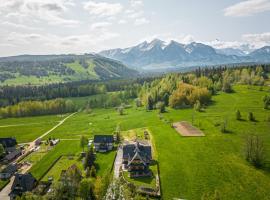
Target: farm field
<point>189,167</point>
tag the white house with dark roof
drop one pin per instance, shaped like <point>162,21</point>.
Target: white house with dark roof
<point>103,143</point>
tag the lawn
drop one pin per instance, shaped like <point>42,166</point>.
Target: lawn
<point>64,163</point>
<point>27,129</point>
<point>69,147</point>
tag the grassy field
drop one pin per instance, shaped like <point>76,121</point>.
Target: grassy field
<point>28,128</point>
<point>189,167</point>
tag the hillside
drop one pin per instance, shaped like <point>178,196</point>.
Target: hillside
<point>42,69</point>
<point>157,55</point>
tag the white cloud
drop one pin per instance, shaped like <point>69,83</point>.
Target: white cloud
<point>17,25</point>
<point>136,3</point>
<point>257,40</point>
<point>122,21</point>
<point>141,21</point>
<point>247,8</point>
<point>100,25</point>
<point>50,11</point>
<point>103,8</point>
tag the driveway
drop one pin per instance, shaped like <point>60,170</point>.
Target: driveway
<point>4,193</point>
<point>118,162</point>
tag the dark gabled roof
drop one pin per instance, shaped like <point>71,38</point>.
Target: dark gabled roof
<point>11,168</point>
<point>103,139</point>
<point>144,151</point>
<point>8,142</point>
<point>25,182</point>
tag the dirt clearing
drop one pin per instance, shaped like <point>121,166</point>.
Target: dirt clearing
<point>186,129</point>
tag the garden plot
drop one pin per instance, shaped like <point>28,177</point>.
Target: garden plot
<point>186,129</point>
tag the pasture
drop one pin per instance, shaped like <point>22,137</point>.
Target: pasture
<point>189,166</point>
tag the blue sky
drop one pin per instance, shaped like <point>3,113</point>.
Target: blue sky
<point>80,26</point>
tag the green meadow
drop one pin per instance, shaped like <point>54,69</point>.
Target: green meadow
<point>189,167</point>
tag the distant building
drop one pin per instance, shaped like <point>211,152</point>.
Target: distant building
<point>9,144</point>
<point>137,157</point>
<point>103,143</point>
<point>22,183</point>
<point>7,172</point>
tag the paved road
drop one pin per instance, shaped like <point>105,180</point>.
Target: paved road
<point>118,162</point>
<point>4,193</point>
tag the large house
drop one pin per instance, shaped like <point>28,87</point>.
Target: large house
<point>22,183</point>
<point>103,143</point>
<point>137,157</point>
<point>8,171</point>
<point>9,144</point>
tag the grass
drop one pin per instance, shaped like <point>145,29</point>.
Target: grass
<point>3,183</point>
<point>28,128</point>
<point>62,148</point>
<point>189,167</point>
<point>64,163</point>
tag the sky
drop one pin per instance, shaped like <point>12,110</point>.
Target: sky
<point>85,26</point>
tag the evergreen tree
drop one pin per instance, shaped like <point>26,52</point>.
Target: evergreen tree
<point>150,103</point>
<point>89,158</point>
<point>238,115</point>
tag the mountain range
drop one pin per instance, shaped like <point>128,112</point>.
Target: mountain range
<point>158,55</point>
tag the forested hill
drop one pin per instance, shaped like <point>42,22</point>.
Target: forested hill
<point>42,69</point>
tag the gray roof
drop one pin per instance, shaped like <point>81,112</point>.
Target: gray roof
<point>8,142</point>
<point>11,168</point>
<point>23,183</point>
<point>145,152</point>
<point>103,139</point>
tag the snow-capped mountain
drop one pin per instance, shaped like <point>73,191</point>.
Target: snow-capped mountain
<point>157,54</point>
<point>231,51</point>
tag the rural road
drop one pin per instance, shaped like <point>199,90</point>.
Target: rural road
<point>4,193</point>
<point>118,162</point>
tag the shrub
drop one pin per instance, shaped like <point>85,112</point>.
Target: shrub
<point>255,151</point>
<point>161,106</point>
<point>197,106</point>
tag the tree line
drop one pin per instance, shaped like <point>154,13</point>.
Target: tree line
<point>35,108</point>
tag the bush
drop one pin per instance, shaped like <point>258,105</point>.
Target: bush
<point>255,151</point>
<point>197,106</point>
<point>161,106</point>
